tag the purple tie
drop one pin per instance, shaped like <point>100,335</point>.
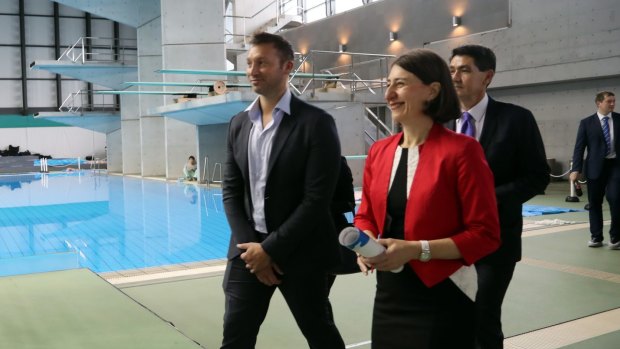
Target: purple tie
<point>467,125</point>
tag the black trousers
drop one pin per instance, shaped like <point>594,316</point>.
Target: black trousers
<point>493,281</point>
<point>608,184</point>
<point>409,315</point>
<point>247,302</point>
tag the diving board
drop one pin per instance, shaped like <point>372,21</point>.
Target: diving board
<point>116,92</point>
<point>110,75</point>
<point>186,84</point>
<point>241,73</point>
<point>104,122</point>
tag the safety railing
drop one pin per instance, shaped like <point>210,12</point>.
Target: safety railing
<point>373,67</point>
<point>85,100</point>
<point>100,50</point>
<point>380,125</point>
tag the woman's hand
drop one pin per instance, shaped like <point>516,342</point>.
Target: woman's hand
<point>397,253</point>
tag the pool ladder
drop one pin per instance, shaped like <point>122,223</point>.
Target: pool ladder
<point>217,169</point>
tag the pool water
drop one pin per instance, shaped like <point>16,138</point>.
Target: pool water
<point>106,223</point>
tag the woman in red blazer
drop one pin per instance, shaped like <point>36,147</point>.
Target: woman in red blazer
<point>428,195</point>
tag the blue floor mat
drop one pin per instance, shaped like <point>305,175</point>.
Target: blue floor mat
<point>536,210</point>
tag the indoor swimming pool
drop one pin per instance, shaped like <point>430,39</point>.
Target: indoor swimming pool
<point>106,223</point>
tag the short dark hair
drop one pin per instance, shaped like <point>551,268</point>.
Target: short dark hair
<point>484,58</point>
<point>430,67</point>
<point>602,95</point>
<point>285,50</point>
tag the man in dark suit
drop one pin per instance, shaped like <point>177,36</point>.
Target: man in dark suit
<point>515,152</point>
<point>281,168</point>
<point>599,133</point>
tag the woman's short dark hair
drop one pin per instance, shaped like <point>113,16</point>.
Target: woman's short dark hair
<point>430,67</point>
<point>285,50</point>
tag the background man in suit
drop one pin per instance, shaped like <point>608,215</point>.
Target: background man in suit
<point>599,134</point>
<point>515,152</point>
<point>281,168</point>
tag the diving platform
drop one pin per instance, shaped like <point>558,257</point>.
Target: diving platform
<point>104,122</point>
<point>209,110</point>
<point>110,75</point>
<point>243,73</point>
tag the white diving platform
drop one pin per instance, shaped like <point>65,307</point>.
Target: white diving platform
<point>220,109</point>
<point>242,73</point>
<point>185,84</point>
<point>209,110</point>
<point>95,121</point>
<point>110,75</point>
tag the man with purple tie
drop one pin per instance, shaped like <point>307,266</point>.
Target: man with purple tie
<point>598,133</point>
<point>515,152</point>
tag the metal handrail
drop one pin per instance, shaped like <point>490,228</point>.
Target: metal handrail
<point>77,102</point>
<point>353,78</point>
<point>82,50</point>
<point>375,118</point>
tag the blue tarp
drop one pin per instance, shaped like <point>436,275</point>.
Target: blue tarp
<point>536,210</point>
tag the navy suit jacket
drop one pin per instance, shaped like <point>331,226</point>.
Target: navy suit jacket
<point>590,136</point>
<point>301,177</point>
<point>515,152</point>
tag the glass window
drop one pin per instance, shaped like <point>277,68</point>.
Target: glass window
<point>312,3</point>
<point>346,5</point>
<point>316,13</point>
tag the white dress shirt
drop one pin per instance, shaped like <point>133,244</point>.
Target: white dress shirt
<point>259,151</point>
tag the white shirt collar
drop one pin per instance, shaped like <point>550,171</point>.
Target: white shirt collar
<point>601,116</point>
<point>478,110</point>
<point>284,104</point>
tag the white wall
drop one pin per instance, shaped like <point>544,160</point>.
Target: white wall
<point>59,142</point>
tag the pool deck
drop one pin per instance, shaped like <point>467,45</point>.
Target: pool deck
<point>563,295</point>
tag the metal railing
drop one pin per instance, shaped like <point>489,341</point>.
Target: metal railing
<point>347,76</point>
<point>380,125</point>
<point>84,100</point>
<point>280,9</point>
<point>98,49</point>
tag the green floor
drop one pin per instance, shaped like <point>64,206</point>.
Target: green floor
<point>81,316</point>
<point>78,309</point>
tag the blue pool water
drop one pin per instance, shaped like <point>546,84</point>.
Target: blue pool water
<point>106,223</point>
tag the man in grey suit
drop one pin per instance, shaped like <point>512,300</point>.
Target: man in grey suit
<point>599,133</point>
<point>515,152</point>
<point>282,164</point>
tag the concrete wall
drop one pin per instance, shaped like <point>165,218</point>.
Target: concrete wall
<point>59,142</point>
<point>114,141</point>
<point>553,56</point>
<point>152,146</point>
<point>212,143</point>
<point>552,60</point>
<point>196,44</point>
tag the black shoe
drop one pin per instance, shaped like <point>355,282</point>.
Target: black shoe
<point>595,243</point>
<point>587,207</point>
<point>578,190</point>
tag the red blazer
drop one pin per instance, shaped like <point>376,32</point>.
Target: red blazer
<point>452,195</point>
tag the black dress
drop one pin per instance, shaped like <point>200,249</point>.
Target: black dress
<point>407,314</point>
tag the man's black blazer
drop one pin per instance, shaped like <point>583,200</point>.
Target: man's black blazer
<point>302,173</point>
<point>590,135</point>
<point>516,155</point>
